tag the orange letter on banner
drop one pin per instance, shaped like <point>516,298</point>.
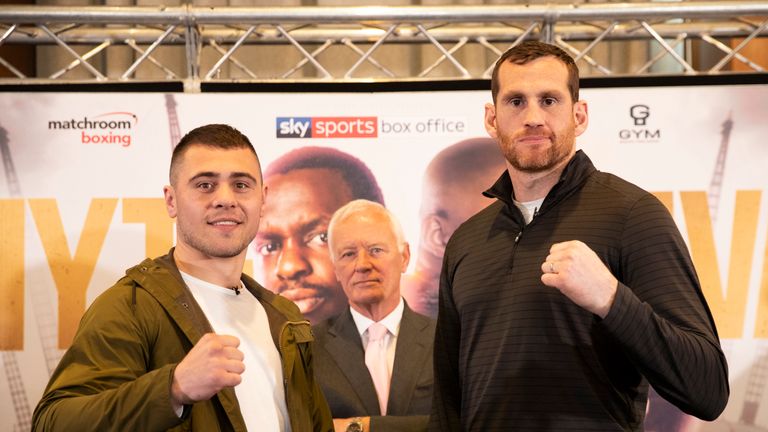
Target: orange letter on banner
<point>728,310</point>
<point>151,212</point>
<point>72,275</point>
<point>11,274</point>
<point>248,267</point>
<point>761,326</point>
<point>666,199</point>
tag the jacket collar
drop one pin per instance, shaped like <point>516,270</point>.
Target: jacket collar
<point>578,169</point>
<point>160,277</point>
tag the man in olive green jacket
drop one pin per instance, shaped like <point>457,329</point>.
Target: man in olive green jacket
<point>146,357</point>
<point>117,374</point>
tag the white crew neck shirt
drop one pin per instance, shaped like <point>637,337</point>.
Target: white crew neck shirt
<point>260,394</point>
<point>529,208</point>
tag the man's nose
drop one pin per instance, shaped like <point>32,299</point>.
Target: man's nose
<point>224,197</point>
<point>534,115</point>
<point>291,263</point>
<point>363,262</point>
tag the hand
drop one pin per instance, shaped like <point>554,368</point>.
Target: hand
<point>211,365</point>
<point>576,270</point>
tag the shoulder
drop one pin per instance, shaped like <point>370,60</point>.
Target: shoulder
<point>128,293</point>
<point>114,301</point>
<point>320,332</point>
<point>613,191</point>
<point>418,321</point>
<point>479,222</point>
<point>612,186</point>
<point>330,327</point>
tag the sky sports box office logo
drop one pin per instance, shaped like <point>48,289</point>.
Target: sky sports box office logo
<point>365,127</point>
<point>327,127</point>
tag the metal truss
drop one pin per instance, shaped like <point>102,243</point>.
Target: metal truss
<point>235,44</point>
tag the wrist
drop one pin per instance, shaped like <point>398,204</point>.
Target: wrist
<point>178,397</point>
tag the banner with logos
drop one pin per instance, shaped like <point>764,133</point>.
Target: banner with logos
<point>82,178</point>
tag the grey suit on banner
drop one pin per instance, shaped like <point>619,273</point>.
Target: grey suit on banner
<point>340,369</point>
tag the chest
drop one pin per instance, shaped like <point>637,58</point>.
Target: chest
<point>498,267</point>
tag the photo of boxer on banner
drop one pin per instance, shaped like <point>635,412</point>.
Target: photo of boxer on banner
<point>305,186</point>
<point>452,191</point>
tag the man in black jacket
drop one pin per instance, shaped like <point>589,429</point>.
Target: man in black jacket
<point>564,299</point>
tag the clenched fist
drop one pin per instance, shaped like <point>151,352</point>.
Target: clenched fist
<point>576,270</point>
<point>211,365</point>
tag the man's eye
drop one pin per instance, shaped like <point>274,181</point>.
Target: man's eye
<point>242,185</point>
<point>516,102</point>
<point>376,251</point>
<point>205,186</point>
<point>268,248</point>
<point>320,239</point>
<point>548,101</point>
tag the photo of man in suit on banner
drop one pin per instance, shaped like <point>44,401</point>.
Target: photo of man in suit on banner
<point>374,360</point>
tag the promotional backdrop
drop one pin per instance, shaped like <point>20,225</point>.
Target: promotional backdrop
<point>82,179</point>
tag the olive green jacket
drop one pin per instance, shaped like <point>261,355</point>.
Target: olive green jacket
<point>118,372</point>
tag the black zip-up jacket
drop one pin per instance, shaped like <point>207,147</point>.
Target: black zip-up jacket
<point>514,354</point>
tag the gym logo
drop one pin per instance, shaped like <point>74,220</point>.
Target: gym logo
<point>640,133</point>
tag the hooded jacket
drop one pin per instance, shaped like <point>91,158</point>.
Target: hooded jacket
<point>118,372</point>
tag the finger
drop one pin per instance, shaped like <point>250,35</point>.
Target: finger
<point>565,246</point>
<point>229,380</point>
<point>207,337</point>
<point>557,247</point>
<point>232,353</point>
<point>558,254</point>
<point>234,366</point>
<point>550,280</point>
<point>548,266</point>
<point>228,340</point>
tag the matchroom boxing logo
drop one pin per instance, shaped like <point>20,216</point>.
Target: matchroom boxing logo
<point>108,128</point>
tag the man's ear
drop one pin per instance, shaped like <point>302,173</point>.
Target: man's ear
<point>433,235</point>
<point>406,257</point>
<point>490,120</point>
<point>580,116</point>
<point>169,195</point>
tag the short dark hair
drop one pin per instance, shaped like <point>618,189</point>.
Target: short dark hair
<point>219,136</point>
<point>356,174</point>
<point>531,50</point>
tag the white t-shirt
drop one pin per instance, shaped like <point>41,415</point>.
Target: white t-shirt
<point>261,394</point>
<point>529,209</point>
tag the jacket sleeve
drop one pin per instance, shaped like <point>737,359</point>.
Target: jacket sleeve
<point>307,406</point>
<point>446,398</point>
<point>415,423</point>
<point>103,382</point>
<point>660,317</point>
<point>322,419</point>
